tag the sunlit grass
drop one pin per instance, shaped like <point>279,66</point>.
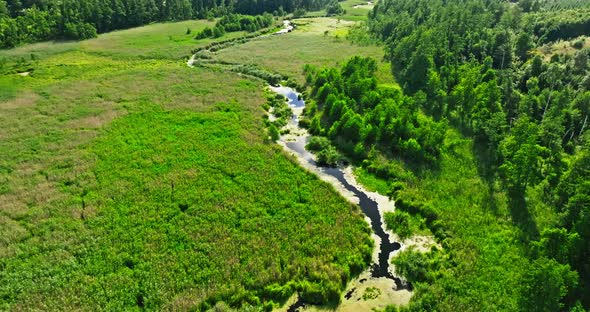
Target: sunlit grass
<point>313,42</point>
<point>129,180</point>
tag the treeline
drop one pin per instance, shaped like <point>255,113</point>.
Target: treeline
<point>359,115</point>
<point>38,20</point>
<point>473,64</point>
<point>236,22</point>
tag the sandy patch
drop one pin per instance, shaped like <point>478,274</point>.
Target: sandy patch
<point>365,293</point>
<point>420,243</point>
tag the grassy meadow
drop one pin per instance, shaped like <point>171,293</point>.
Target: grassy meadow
<point>317,41</point>
<point>355,10</point>
<point>131,181</point>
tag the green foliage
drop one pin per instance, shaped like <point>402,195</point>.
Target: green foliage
<point>359,34</point>
<point>470,62</point>
<point>40,20</point>
<point>563,24</point>
<point>546,282</point>
<point>299,12</point>
<point>371,293</point>
<point>79,31</point>
<point>147,187</point>
<point>329,157</point>
<point>254,71</point>
<point>419,267</point>
<point>317,144</point>
<point>334,8</point>
<point>273,132</point>
<point>404,224</point>
<point>326,153</point>
<point>521,157</point>
<point>236,22</point>
<point>359,115</point>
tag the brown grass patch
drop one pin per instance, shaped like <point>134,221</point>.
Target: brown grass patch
<point>24,100</point>
<point>94,121</point>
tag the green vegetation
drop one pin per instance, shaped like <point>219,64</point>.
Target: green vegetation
<point>405,224</point>
<point>327,154</point>
<point>40,20</point>
<point>360,116</point>
<point>236,22</point>
<point>371,293</point>
<point>334,8</point>
<point>475,147</point>
<point>132,182</point>
<point>419,267</point>
<point>307,45</point>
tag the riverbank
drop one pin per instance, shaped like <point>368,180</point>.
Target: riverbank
<point>379,279</point>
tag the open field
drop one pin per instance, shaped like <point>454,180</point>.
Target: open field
<point>309,44</point>
<point>156,41</point>
<point>562,47</point>
<point>355,10</point>
<point>130,182</point>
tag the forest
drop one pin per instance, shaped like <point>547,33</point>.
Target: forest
<point>27,21</point>
<point>478,67</point>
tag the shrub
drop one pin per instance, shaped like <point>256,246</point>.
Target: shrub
<point>317,143</point>
<point>273,132</point>
<point>329,157</point>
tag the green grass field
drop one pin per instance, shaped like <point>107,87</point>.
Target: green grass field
<point>309,44</point>
<point>132,181</point>
<point>355,10</point>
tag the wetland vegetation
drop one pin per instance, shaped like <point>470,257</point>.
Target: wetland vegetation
<point>129,180</point>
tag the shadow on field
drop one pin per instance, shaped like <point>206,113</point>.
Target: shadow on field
<point>521,216</point>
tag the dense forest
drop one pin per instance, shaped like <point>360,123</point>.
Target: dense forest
<point>476,66</point>
<point>29,21</point>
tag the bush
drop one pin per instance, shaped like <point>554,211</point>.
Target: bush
<point>317,143</point>
<point>79,31</point>
<point>418,266</point>
<point>326,153</point>
<point>205,33</point>
<point>399,223</point>
<point>329,157</point>
<point>334,8</point>
<point>218,32</point>
<point>274,133</point>
<point>299,12</point>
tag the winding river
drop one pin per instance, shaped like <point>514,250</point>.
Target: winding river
<point>368,205</point>
<point>372,204</point>
<point>380,274</point>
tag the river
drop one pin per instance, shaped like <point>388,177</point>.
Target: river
<point>372,204</point>
<point>380,274</point>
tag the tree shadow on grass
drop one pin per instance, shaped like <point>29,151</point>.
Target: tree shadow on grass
<point>486,159</point>
<point>521,216</point>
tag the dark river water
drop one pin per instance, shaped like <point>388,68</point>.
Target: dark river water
<point>368,206</point>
